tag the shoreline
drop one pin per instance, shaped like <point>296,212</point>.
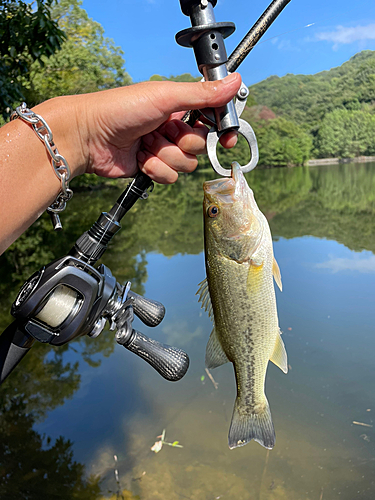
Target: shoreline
<point>336,161</point>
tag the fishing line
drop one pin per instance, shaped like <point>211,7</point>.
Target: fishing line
<point>101,238</point>
<point>306,26</point>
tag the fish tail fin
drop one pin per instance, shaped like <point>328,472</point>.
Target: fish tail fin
<point>246,426</point>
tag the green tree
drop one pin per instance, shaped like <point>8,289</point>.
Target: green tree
<point>346,134</point>
<point>282,143</point>
<point>185,77</point>
<point>87,61</point>
<point>28,34</point>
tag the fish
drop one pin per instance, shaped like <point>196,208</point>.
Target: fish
<point>239,295</point>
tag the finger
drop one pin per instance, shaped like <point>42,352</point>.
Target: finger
<point>170,97</point>
<point>156,169</point>
<point>178,115</point>
<point>169,153</point>
<point>229,139</point>
<point>191,140</point>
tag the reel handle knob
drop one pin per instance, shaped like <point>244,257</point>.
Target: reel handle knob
<point>149,311</point>
<point>172,363</point>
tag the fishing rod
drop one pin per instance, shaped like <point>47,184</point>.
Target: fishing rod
<point>69,297</point>
<point>246,45</point>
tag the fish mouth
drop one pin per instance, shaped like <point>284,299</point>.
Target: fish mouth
<point>219,186</point>
<point>229,189</point>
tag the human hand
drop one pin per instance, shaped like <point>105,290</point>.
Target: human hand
<point>140,127</point>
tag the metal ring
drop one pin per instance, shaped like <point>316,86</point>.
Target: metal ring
<point>51,148</point>
<point>248,133</point>
<point>62,168</point>
<point>25,114</point>
<point>57,206</point>
<point>44,126</point>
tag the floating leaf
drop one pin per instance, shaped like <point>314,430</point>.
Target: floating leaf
<point>157,446</point>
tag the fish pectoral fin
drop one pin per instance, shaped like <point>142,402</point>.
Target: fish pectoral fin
<point>215,356</point>
<point>276,274</point>
<point>279,356</point>
<point>255,271</point>
<point>205,298</point>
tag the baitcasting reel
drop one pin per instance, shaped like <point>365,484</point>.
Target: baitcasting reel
<point>69,298</point>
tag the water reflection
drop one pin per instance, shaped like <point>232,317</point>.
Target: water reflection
<point>323,225</point>
<point>34,468</point>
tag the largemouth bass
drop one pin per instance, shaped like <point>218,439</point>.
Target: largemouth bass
<point>239,294</point>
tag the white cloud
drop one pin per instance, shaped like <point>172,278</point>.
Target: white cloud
<point>345,35</point>
<point>179,333</point>
<point>361,265</point>
<point>102,461</point>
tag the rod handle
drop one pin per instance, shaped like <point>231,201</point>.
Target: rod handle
<point>14,345</point>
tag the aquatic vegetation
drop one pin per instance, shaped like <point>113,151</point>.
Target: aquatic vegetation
<point>158,445</point>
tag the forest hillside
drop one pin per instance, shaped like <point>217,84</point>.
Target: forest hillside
<point>298,117</point>
<point>336,107</point>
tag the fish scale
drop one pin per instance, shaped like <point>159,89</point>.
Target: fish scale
<point>240,267</point>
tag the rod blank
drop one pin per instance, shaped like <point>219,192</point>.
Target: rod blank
<point>255,33</point>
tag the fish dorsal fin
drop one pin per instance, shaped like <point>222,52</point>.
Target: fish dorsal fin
<point>279,356</point>
<point>204,298</point>
<point>215,356</point>
<point>276,274</point>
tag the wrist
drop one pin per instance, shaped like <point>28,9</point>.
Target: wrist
<point>66,118</point>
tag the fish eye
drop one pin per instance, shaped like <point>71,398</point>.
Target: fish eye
<point>212,211</point>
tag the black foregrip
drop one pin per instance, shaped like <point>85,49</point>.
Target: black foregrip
<point>14,344</point>
<point>170,362</point>
<point>148,311</point>
<point>132,193</point>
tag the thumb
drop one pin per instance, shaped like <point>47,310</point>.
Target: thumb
<point>175,96</point>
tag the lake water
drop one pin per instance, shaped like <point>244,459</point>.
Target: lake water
<point>104,401</point>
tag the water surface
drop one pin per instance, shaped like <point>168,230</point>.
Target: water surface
<point>106,401</point>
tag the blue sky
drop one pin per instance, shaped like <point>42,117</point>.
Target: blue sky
<point>145,31</point>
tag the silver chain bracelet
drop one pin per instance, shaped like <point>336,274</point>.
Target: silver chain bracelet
<point>59,163</point>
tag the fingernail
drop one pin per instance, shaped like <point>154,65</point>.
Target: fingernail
<point>148,139</point>
<point>141,156</point>
<point>172,130</point>
<point>230,78</point>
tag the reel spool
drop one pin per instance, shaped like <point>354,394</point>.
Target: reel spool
<point>62,302</point>
<point>68,299</point>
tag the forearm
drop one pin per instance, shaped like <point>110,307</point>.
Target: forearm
<point>28,184</point>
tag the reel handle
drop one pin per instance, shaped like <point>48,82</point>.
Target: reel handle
<point>149,311</point>
<point>172,363</point>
